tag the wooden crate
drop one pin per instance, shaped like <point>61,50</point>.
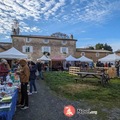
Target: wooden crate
<point>73,70</point>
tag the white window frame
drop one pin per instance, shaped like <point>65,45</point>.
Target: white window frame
<point>64,50</point>
<point>46,41</point>
<point>27,49</point>
<point>64,42</point>
<point>97,54</point>
<point>46,49</point>
<point>82,53</point>
<point>28,40</point>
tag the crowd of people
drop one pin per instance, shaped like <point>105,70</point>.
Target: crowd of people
<point>106,64</point>
<point>90,65</point>
<point>117,66</point>
<point>27,73</point>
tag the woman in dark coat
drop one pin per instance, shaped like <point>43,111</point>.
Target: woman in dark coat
<point>33,69</point>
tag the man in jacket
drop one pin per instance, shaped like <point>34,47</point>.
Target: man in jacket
<point>24,79</point>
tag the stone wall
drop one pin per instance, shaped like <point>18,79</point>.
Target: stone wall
<point>37,44</point>
<point>91,55</point>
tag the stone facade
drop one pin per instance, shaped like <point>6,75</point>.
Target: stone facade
<point>92,54</point>
<point>37,42</point>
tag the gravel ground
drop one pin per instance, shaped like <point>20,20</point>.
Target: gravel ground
<point>45,105</point>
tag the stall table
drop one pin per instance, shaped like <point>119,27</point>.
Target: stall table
<point>8,114</point>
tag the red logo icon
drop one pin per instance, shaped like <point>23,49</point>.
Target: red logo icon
<point>69,111</point>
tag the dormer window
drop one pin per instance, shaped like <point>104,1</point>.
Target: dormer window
<point>28,40</point>
<point>45,41</point>
<point>97,54</point>
<point>82,53</point>
<point>64,42</point>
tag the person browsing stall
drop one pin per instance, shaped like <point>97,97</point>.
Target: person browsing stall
<point>24,79</point>
<point>4,69</point>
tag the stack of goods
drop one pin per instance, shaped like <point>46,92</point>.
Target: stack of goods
<point>5,99</point>
<point>6,92</point>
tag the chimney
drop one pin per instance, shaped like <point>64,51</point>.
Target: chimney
<point>71,36</point>
<point>102,48</point>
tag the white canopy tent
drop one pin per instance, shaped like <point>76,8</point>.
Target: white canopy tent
<point>71,58</point>
<point>44,58</point>
<point>47,60</point>
<point>84,59</point>
<point>110,58</point>
<point>12,53</point>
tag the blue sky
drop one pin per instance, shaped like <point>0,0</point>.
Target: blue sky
<point>90,21</point>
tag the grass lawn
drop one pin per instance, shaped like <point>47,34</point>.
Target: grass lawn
<point>88,90</point>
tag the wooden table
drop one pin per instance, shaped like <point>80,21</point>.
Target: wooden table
<point>104,78</point>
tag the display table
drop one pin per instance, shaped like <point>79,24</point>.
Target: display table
<point>8,114</point>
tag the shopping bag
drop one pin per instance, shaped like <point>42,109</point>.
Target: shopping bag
<point>37,73</point>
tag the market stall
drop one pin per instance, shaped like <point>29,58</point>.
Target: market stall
<point>8,96</point>
<point>12,53</point>
<point>58,63</point>
<point>84,59</point>
<point>110,58</point>
<point>70,58</point>
<point>7,109</point>
<point>46,60</point>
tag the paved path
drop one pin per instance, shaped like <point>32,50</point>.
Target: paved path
<point>45,105</point>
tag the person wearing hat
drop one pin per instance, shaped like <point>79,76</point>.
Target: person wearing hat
<point>24,74</point>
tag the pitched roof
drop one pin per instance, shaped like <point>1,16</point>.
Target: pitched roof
<point>86,50</point>
<point>43,37</point>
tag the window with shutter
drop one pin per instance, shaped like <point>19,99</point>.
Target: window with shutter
<point>28,49</point>
<point>64,50</point>
<point>46,49</point>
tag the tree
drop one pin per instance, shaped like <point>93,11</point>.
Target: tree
<point>91,48</point>
<point>108,47</point>
<point>99,46</point>
<point>103,46</point>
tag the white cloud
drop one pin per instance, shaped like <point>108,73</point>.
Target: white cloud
<point>72,11</point>
<point>72,1</point>
<point>83,31</point>
<point>7,37</point>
